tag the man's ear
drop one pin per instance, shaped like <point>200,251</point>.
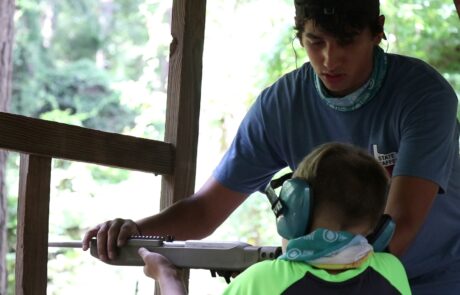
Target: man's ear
<point>381,34</point>
<point>299,38</point>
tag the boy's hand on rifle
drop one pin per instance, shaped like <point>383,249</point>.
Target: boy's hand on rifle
<point>163,271</point>
<point>110,235</point>
<point>156,265</point>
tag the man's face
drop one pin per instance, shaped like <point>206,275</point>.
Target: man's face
<point>342,65</point>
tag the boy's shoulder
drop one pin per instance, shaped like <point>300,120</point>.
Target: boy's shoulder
<point>391,268</point>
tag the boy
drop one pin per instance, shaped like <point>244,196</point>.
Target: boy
<point>346,190</point>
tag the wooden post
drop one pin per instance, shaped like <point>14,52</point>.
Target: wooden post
<point>184,95</point>
<point>32,228</point>
<point>183,102</point>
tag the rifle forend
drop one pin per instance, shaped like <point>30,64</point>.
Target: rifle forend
<point>198,254</point>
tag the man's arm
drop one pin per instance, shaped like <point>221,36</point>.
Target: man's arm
<point>409,201</point>
<point>192,218</point>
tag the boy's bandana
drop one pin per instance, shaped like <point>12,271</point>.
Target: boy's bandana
<point>364,94</point>
<point>329,249</point>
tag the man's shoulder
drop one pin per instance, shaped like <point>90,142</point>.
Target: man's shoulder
<point>404,63</point>
<point>414,74</point>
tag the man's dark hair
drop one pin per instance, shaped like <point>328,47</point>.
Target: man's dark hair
<point>342,18</point>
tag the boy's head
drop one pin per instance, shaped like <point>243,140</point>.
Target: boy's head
<point>341,18</point>
<point>349,187</point>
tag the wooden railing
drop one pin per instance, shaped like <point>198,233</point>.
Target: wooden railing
<point>38,142</point>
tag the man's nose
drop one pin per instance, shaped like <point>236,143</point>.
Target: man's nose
<point>332,56</point>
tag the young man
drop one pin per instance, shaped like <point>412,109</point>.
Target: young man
<point>398,108</point>
<point>345,191</point>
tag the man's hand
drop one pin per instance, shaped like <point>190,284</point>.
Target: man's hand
<point>110,235</point>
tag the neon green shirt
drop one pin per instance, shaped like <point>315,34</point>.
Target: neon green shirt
<point>382,274</point>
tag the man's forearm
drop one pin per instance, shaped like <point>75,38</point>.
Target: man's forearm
<point>195,217</point>
<point>184,220</point>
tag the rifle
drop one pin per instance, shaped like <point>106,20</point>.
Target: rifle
<point>222,258</point>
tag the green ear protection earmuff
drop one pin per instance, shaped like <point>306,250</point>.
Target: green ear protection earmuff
<point>292,207</point>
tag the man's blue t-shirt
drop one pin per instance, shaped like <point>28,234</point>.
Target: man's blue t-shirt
<point>410,126</point>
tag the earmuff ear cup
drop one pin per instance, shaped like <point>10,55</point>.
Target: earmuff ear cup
<point>296,198</point>
<point>381,237</point>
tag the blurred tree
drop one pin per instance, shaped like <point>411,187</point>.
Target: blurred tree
<point>56,66</point>
<point>427,30</point>
<point>6,43</point>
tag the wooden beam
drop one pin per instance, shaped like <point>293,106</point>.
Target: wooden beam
<point>32,228</point>
<point>57,140</point>
<point>183,102</point>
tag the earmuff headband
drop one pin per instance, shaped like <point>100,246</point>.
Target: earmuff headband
<point>277,206</point>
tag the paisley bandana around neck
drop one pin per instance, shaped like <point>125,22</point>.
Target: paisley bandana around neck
<point>329,249</point>
<point>364,94</point>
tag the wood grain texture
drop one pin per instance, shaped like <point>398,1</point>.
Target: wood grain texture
<point>183,102</point>
<point>184,95</point>
<point>32,228</point>
<point>57,140</point>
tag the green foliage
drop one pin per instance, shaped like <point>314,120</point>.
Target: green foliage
<point>286,55</point>
<point>56,72</point>
<point>12,221</point>
<point>427,30</point>
<point>77,24</point>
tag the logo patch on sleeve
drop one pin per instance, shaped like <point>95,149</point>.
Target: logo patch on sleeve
<point>387,160</point>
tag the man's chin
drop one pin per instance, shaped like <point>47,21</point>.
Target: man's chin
<point>337,92</point>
